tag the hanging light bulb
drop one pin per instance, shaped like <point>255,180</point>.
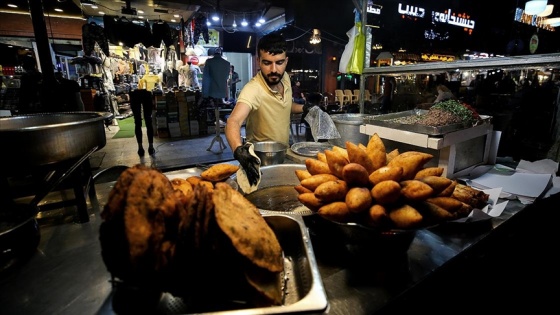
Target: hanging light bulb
<point>234,23</point>
<point>316,37</point>
<point>215,16</point>
<point>244,22</point>
<point>535,7</point>
<point>261,20</point>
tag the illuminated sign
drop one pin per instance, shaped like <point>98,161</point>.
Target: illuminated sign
<point>534,20</point>
<point>457,19</point>
<point>373,8</point>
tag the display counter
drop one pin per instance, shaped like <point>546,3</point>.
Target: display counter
<point>496,265</point>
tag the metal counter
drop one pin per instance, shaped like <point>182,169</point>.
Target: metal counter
<point>500,265</point>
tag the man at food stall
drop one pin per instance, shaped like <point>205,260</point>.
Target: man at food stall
<point>265,104</point>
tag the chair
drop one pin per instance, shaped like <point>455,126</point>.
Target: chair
<point>341,98</point>
<point>351,97</point>
<point>356,93</point>
<point>368,96</point>
<point>295,125</point>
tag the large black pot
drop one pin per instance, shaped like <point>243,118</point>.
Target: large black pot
<point>41,139</point>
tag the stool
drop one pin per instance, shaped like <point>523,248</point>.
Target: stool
<point>218,136</point>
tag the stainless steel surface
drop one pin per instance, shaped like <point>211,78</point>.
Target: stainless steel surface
<point>276,193</point>
<point>510,257</point>
<point>304,291</point>
<point>348,125</point>
<point>270,152</point>
<point>41,139</point>
<point>310,149</point>
<point>387,120</point>
<point>512,63</point>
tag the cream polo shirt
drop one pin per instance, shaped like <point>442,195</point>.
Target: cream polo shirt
<point>269,118</point>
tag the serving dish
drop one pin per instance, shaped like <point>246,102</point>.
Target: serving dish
<point>303,292</point>
<point>310,149</point>
<point>387,120</point>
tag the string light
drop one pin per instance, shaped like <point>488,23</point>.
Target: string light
<point>316,37</point>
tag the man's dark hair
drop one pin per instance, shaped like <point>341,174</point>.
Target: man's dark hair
<point>273,44</point>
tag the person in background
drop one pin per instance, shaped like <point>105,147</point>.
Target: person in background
<point>444,93</point>
<point>389,85</point>
<point>265,104</point>
<point>30,86</point>
<point>232,81</point>
<point>69,92</point>
<point>141,102</point>
<point>297,93</point>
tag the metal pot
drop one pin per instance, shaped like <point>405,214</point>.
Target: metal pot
<point>270,152</point>
<point>348,125</point>
<point>41,139</point>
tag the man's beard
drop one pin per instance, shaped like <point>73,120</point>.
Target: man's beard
<point>273,78</point>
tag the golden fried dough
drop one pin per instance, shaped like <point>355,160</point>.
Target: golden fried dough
<point>405,217</point>
<point>359,156</point>
<point>448,191</point>
<point>375,149</point>
<point>332,190</point>
<point>450,204</point>
<point>392,154</point>
<point>358,199</point>
<point>386,173</point>
<point>471,196</point>
<point>248,231</point>
<point>336,211</point>
<point>336,161</point>
<point>302,174</point>
<point>219,172</point>
<point>411,162</point>
<point>194,180</point>
<point>355,175</point>
<point>317,167</point>
<point>414,189</point>
<point>340,150</point>
<point>314,181</point>
<point>437,183</point>
<point>182,185</point>
<point>321,157</point>
<point>377,217</point>
<point>300,189</point>
<point>386,192</point>
<point>311,201</point>
<point>429,171</point>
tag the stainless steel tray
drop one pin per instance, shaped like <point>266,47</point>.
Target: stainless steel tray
<point>385,121</point>
<point>304,291</point>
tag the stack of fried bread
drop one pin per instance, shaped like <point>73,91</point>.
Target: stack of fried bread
<point>190,239</point>
<point>367,185</point>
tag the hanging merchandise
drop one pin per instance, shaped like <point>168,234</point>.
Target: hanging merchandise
<point>200,27</point>
<point>348,49</point>
<point>181,37</point>
<point>356,63</point>
<point>91,34</point>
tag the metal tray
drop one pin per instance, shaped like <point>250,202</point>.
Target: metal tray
<point>304,290</point>
<point>310,148</point>
<point>384,121</point>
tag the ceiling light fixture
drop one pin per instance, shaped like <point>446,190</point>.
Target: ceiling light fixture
<point>215,16</point>
<point>316,37</point>
<point>262,20</point>
<point>244,22</point>
<point>535,7</point>
<point>234,23</point>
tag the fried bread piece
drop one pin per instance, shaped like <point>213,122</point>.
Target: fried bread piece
<point>117,195</point>
<point>249,233</point>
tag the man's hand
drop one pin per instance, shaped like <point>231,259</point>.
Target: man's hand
<point>249,162</point>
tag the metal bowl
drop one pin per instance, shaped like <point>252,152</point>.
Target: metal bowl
<point>270,152</point>
<point>40,139</point>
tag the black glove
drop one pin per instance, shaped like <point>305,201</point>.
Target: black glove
<point>249,163</point>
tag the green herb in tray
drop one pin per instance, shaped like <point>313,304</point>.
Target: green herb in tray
<point>456,108</point>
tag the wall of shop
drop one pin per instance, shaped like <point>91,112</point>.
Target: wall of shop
<point>20,25</point>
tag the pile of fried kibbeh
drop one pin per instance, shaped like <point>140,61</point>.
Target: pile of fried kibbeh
<point>190,240</point>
